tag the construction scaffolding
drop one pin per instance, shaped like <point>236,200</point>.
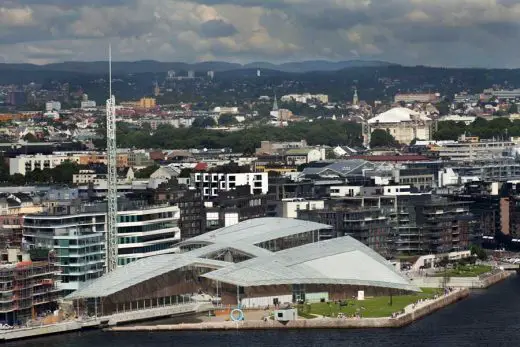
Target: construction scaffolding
<point>27,289</point>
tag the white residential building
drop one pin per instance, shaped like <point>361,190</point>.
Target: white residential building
<point>147,232</point>
<point>290,207</point>
<point>88,104</point>
<point>26,163</point>
<point>225,110</point>
<point>212,183</point>
<point>305,98</point>
<point>52,106</point>
<point>473,150</point>
<point>342,191</point>
<point>458,118</point>
<point>166,173</point>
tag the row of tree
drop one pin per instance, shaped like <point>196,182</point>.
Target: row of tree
<point>500,127</point>
<point>323,132</point>
<point>60,174</point>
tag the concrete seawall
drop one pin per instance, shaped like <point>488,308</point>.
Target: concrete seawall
<point>96,323</point>
<point>25,333</point>
<point>481,282</point>
<point>318,323</point>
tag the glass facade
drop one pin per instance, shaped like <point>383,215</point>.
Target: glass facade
<point>147,232</point>
<point>78,241</point>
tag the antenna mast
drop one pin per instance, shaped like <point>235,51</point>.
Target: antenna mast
<point>112,240</point>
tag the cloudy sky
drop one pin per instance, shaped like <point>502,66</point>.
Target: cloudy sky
<point>429,32</point>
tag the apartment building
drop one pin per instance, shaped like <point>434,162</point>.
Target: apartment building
<point>78,236</point>
<point>472,150</point>
<point>26,163</point>
<point>289,207</point>
<point>417,97</point>
<point>367,225</point>
<point>78,240</point>
<point>234,206</point>
<point>145,232</point>
<point>212,183</point>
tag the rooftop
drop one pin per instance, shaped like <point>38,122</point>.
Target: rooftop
<point>397,115</point>
<point>342,261</point>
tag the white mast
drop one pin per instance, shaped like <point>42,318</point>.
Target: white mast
<point>111,237</point>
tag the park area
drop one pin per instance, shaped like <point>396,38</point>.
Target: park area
<point>371,307</point>
<point>465,271</point>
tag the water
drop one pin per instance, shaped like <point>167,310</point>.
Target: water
<point>487,318</point>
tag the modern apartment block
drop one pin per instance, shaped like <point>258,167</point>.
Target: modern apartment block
<point>212,183</point>
<point>151,231</point>
<point>368,225</point>
<point>233,207</point>
<point>78,241</point>
<point>426,224</point>
<point>78,237</point>
<point>394,221</point>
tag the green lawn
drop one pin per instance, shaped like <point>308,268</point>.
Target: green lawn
<point>374,307</point>
<point>466,271</point>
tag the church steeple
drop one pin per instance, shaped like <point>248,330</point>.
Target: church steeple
<point>355,99</point>
<point>275,103</point>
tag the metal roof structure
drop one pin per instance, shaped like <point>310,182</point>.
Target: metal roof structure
<point>342,168</point>
<point>337,261</point>
<point>139,271</point>
<point>254,231</point>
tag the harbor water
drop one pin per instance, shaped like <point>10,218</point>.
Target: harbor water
<point>488,317</point>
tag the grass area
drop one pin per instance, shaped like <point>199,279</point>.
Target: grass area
<point>373,306</point>
<point>465,271</point>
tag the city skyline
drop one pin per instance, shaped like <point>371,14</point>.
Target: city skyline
<point>464,33</point>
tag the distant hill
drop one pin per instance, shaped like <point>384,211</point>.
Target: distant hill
<point>151,66</point>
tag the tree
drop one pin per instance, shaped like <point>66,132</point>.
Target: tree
<point>513,109</point>
<point>382,138</point>
<point>443,107</point>
<point>4,170</point>
<point>226,119</point>
<point>63,173</point>
<point>203,122</point>
<point>17,179</point>
<point>147,171</point>
<point>185,173</point>
<point>478,252</point>
<point>30,138</point>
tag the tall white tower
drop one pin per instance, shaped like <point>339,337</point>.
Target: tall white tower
<point>111,236</point>
<point>355,99</point>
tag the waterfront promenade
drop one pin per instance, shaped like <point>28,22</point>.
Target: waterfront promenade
<point>411,313</point>
<point>100,322</point>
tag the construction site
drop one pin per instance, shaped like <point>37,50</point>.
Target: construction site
<point>28,292</point>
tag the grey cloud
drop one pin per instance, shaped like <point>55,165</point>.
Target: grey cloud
<point>217,28</point>
<point>331,19</point>
<point>269,30</point>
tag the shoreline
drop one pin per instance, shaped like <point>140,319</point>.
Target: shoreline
<point>411,315</point>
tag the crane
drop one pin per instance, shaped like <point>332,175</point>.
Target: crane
<point>111,236</point>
